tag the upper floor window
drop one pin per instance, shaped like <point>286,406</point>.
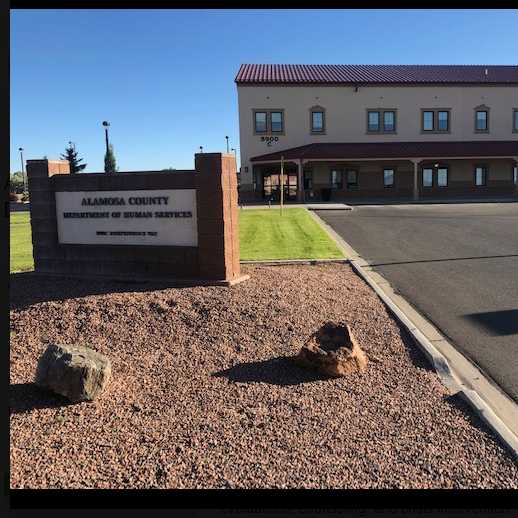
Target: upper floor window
<point>260,121</point>
<point>515,119</point>
<point>389,121</point>
<point>481,119</point>
<point>277,122</point>
<point>317,115</point>
<point>381,121</point>
<point>443,120</point>
<point>373,123</point>
<point>435,120</point>
<point>268,121</point>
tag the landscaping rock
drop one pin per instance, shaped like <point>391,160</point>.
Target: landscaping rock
<point>333,351</point>
<point>76,372</point>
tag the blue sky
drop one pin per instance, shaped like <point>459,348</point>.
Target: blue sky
<point>165,78</point>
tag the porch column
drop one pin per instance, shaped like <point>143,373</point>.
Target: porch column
<point>415,161</point>
<point>515,168</point>
<point>300,182</point>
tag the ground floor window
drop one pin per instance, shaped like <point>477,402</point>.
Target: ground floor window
<point>388,177</point>
<point>442,177</point>
<point>480,176</point>
<point>427,177</point>
<point>336,179</point>
<point>352,179</point>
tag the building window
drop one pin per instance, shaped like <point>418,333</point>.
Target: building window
<point>260,122</point>
<point>443,120</point>
<point>373,123</point>
<point>389,121</point>
<point>428,119</point>
<point>427,177</point>
<point>352,179</point>
<point>515,120</point>
<point>388,177</point>
<point>336,179</point>
<point>442,177</point>
<point>268,121</point>
<point>381,121</point>
<point>317,119</point>
<point>437,121</point>
<point>481,119</point>
<point>308,179</point>
<point>277,123</point>
<point>480,176</point>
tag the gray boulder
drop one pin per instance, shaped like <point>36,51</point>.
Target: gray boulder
<point>76,372</point>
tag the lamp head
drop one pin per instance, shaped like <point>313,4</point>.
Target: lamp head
<point>106,124</point>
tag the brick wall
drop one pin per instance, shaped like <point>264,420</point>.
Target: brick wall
<point>216,258</point>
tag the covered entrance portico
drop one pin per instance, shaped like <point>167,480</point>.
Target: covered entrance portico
<point>404,171</point>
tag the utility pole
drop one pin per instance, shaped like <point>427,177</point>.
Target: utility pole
<point>282,183</point>
<point>106,125</point>
<point>20,149</point>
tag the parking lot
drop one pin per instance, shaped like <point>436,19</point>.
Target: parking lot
<point>457,264</point>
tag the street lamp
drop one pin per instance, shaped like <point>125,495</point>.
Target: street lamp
<point>227,143</point>
<point>106,125</point>
<point>20,149</point>
<point>201,149</point>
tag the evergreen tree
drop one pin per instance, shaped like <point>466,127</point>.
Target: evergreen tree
<point>110,164</point>
<point>16,182</point>
<point>71,156</point>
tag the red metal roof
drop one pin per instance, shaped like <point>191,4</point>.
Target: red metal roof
<point>376,74</point>
<point>395,150</point>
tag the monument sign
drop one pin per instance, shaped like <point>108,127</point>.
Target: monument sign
<point>174,225</point>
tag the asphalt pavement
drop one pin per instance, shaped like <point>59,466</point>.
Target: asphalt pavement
<point>457,264</point>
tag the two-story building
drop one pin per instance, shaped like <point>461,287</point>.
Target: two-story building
<point>378,131</point>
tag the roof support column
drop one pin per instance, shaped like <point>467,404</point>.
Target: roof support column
<point>416,161</point>
<point>300,182</point>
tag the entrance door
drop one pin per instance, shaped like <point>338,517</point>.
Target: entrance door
<point>272,186</point>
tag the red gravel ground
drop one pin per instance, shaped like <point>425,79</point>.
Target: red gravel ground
<point>203,395</point>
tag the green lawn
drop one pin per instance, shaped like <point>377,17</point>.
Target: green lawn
<point>264,234</point>
<point>21,243</point>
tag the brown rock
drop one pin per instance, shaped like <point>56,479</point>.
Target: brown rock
<point>333,351</point>
<point>78,373</point>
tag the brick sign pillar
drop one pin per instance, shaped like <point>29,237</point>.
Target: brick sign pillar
<point>217,212</point>
<point>46,248</point>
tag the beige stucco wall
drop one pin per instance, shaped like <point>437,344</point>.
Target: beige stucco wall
<point>346,114</point>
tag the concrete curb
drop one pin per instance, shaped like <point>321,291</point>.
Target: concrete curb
<point>459,375</point>
<point>273,262</point>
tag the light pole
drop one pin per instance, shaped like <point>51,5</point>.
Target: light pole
<point>20,149</point>
<point>106,125</point>
<point>201,149</point>
<point>227,143</point>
